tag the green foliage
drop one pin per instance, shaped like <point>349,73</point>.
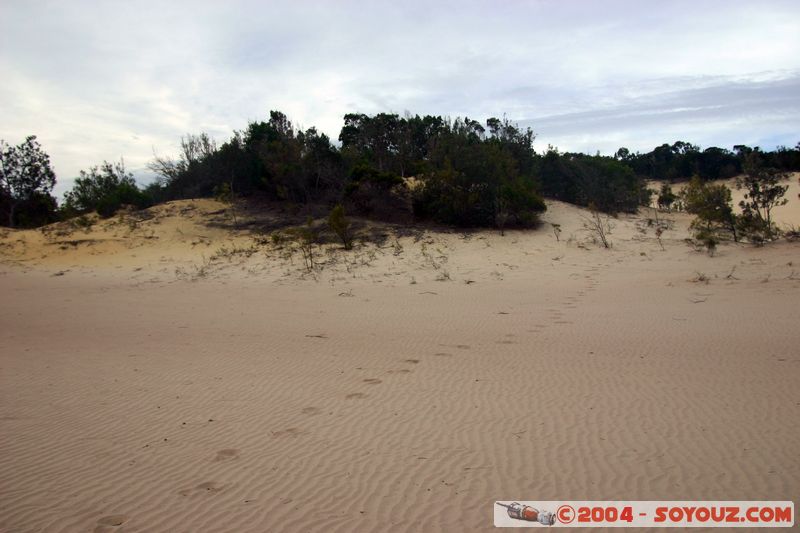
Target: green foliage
<point>224,193</point>
<point>83,222</point>
<point>371,192</point>
<point>666,197</point>
<point>479,181</point>
<point>708,238</point>
<point>26,181</point>
<point>269,158</point>
<point>472,174</point>
<point>364,173</point>
<point>341,226</point>
<point>763,192</point>
<point>105,189</point>
<point>580,179</point>
<point>712,205</point>
<point>681,161</point>
<point>308,238</point>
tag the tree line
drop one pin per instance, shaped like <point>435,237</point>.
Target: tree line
<point>682,161</point>
<point>465,172</point>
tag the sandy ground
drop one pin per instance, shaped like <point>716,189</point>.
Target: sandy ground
<point>164,373</point>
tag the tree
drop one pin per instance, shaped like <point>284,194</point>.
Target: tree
<point>606,182</point>
<point>199,168</point>
<point>713,207</point>
<point>763,192</point>
<point>666,197</point>
<point>104,188</point>
<point>194,149</point>
<point>477,181</point>
<point>25,176</point>
<point>341,226</point>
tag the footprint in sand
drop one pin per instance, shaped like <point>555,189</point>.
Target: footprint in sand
<point>112,520</point>
<point>205,487</point>
<point>288,432</point>
<point>355,396</point>
<point>400,371</point>
<point>227,454</point>
<point>372,381</point>
<point>311,410</point>
<point>411,361</point>
<point>459,346</point>
<point>210,486</point>
<point>443,354</point>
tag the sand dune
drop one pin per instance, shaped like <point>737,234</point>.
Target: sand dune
<point>173,374</point>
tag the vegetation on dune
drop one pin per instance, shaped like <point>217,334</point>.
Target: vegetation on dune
<point>682,161</point>
<point>474,179</point>
<point>763,191</point>
<point>26,181</point>
<point>580,179</point>
<point>341,226</point>
<point>105,189</point>
<point>711,203</point>
<point>401,168</point>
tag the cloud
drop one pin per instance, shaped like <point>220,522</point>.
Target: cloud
<point>707,111</point>
<point>103,80</point>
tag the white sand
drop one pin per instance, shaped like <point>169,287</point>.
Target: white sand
<point>242,394</point>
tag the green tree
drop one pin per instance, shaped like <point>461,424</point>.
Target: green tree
<point>713,206</point>
<point>26,177</point>
<point>480,182</point>
<point>666,197</point>
<point>341,226</point>
<point>104,188</point>
<point>763,193</point>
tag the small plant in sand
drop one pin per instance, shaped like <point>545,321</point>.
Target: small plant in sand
<point>308,238</point>
<point>84,222</point>
<point>707,240</point>
<point>661,226</point>
<point>277,238</point>
<point>711,245</point>
<point>341,226</point>
<point>792,233</point>
<point>666,197</point>
<point>598,226</point>
<point>223,252</point>
<point>556,231</point>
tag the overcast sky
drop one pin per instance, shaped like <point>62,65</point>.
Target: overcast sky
<point>101,80</point>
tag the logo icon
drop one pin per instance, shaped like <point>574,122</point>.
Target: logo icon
<point>527,513</point>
